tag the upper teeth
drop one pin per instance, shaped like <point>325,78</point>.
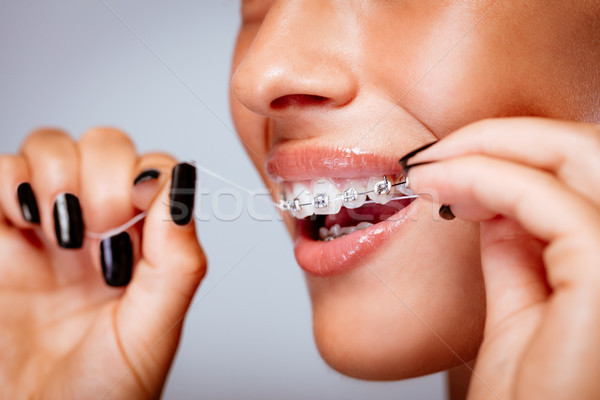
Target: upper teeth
<point>323,196</point>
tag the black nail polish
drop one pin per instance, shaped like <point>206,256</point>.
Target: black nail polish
<point>404,160</point>
<point>446,212</point>
<point>146,175</point>
<point>68,222</point>
<point>183,190</point>
<point>29,207</point>
<point>116,254</point>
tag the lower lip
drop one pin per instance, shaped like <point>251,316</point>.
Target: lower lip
<point>337,256</point>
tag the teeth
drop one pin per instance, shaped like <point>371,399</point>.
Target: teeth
<point>351,196</point>
<point>382,190</point>
<point>402,188</point>
<point>347,229</point>
<point>364,225</point>
<point>336,231</point>
<point>323,232</point>
<point>301,205</point>
<point>327,198</point>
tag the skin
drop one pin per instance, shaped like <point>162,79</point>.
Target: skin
<point>513,279</point>
<point>66,334</point>
<point>392,75</point>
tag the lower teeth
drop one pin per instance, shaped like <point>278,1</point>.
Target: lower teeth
<point>337,232</point>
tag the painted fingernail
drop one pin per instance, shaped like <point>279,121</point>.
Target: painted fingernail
<point>183,190</point>
<point>446,212</point>
<point>404,160</point>
<point>29,207</point>
<point>116,253</point>
<point>146,175</point>
<point>68,222</point>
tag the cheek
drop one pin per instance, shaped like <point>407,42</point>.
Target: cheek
<point>407,313</point>
<point>460,64</point>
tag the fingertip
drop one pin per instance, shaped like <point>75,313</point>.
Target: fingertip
<point>52,161</point>
<point>169,231</point>
<point>183,193</point>
<point>18,198</point>
<point>146,175</point>
<point>146,186</point>
<point>149,176</point>
<point>446,212</point>
<point>116,259</point>
<point>68,221</point>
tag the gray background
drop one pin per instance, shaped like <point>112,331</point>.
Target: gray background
<point>160,72</point>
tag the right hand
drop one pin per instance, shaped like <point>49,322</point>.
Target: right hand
<point>65,333</point>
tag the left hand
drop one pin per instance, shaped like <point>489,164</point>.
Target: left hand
<point>534,185</point>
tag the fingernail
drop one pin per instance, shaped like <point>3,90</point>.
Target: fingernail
<point>146,175</point>
<point>183,190</point>
<point>29,207</point>
<point>404,160</point>
<point>68,222</point>
<point>116,253</point>
<point>446,212</point>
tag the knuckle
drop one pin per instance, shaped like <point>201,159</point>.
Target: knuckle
<point>9,164</point>
<point>487,123</point>
<point>44,136</point>
<point>95,212</point>
<point>586,140</point>
<point>592,135</point>
<point>102,135</point>
<point>161,157</point>
<point>193,262</point>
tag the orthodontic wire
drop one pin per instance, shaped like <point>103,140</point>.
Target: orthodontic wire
<point>338,198</point>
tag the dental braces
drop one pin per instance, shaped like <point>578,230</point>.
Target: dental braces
<point>349,195</point>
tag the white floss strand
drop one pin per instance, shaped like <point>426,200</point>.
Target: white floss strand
<point>118,229</point>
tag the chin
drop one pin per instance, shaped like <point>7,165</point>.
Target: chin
<point>376,346</point>
<point>392,319</point>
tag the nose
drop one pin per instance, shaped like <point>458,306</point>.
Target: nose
<point>300,59</point>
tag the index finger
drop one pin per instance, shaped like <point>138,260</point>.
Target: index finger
<point>570,150</point>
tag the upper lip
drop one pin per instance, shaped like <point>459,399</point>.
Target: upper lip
<point>295,162</point>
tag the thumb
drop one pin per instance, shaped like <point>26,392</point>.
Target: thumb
<point>513,270</point>
<point>150,315</point>
<point>514,281</point>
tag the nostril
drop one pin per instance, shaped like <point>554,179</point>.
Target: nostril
<point>299,100</point>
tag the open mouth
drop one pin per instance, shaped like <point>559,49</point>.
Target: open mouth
<point>336,208</point>
<point>330,244</point>
<point>347,221</point>
<point>342,220</point>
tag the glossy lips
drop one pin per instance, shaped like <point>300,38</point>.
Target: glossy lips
<point>352,248</point>
<point>335,249</point>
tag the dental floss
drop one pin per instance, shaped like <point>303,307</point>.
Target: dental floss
<point>118,229</point>
<point>141,216</point>
<point>283,205</point>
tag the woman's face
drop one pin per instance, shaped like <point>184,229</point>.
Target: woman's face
<point>341,90</point>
